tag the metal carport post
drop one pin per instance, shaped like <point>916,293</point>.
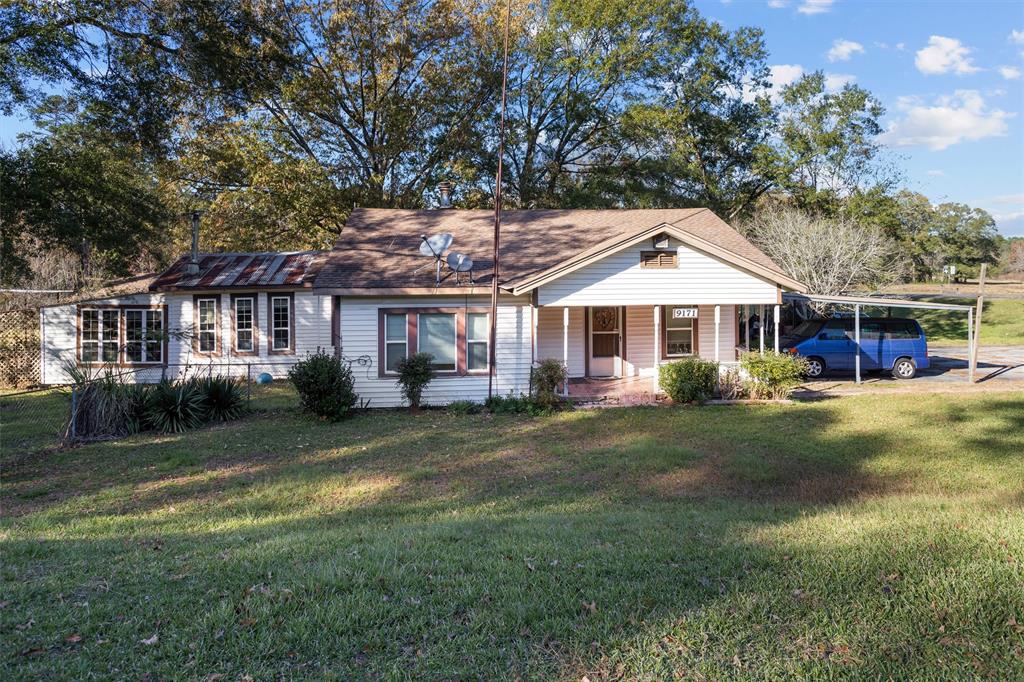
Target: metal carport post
<point>857,302</point>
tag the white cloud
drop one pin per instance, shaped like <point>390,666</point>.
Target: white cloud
<point>843,49</point>
<point>777,4</point>
<point>1010,73</point>
<point>944,55</point>
<point>1009,199</point>
<point>786,74</point>
<point>936,173</point>
<point>815,6</point>
<point>901,46</point>
<point>834,82</point>
<point>1017,37</point>
<point>952,119</point>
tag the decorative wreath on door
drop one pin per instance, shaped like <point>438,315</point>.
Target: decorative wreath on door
<point>604,319</point>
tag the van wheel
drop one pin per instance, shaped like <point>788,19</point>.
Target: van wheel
<point>815,367</point>
<point>904,368</point>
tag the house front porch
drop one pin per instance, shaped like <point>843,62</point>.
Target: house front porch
<point>614,352</point>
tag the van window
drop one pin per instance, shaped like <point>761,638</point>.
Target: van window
<point>871,330</point>
<point>902,329</point>
<point>835,331</point>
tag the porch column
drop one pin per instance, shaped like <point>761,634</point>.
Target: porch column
<point>565,349</point>
<point>746,323</point>
<point>856,341</point>
<point>776,328</point>
<point>718,324</point>
<point>657,347</point>
<point>760,326</point>
<point>533,325</point>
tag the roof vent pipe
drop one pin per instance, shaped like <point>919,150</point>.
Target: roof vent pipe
<point>445,190</point>
<point>193,264</point>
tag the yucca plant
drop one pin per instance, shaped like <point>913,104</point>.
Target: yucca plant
<point>135,407</point>
<point>223,398</point>
<point>176,407</point>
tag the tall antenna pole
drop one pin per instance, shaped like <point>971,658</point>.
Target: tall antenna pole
<point>492,364</point>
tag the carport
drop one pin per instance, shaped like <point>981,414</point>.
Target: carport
<point>857,302</point>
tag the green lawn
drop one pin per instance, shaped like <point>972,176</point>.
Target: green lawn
<point>870,537</point>
<point>1002,322</point>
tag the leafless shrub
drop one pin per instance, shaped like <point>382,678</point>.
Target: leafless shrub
<point>830,255</point>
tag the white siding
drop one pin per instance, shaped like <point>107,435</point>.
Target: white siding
<point>618,279</point>
<point>359,337</point>
<point>312,329</point>
<point>551,337</point>
<point>639,359</point>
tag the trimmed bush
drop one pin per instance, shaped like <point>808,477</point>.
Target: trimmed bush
<point>174,407</point>
<point>773,376</point>
<point>545,379</point>
<point>324,384</point>
<point>223,398</point>
<point>414,373</point>
<point>689,380</point>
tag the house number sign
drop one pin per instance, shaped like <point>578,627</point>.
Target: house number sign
<point>678,313</point>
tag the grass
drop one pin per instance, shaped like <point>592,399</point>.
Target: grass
<point>863,537</point>
<point>1002,321</point>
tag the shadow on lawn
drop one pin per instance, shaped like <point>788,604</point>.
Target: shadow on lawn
<point>526,547</point>
<point>754,453</point>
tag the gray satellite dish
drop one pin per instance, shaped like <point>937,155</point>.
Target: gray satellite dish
<point>460,262</point>
<point>435,247</point>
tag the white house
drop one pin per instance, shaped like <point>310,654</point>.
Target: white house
<point>611,293</point>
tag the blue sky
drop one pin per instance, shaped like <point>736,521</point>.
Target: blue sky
<point>950,75</point>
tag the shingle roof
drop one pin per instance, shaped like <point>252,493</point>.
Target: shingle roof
<point>243,270</point>
<point>380,247</point>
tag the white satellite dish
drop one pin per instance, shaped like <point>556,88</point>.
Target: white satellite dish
<point>460,262</point>
<point>435,247</point>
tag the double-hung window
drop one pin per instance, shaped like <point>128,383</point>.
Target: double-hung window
<point>477,334</point>
<point>280,323</point>
<point>396,340</point>
<point>207,323</point>
<point>143,330</point>
<point>245,324</point>
<point>436,334</point>
<point>678,335</point>
<point>100,335</point>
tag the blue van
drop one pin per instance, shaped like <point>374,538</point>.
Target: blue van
<point>892,344</point>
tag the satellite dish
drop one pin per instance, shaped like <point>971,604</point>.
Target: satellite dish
<point>435,245</point>
<point>460,262</point>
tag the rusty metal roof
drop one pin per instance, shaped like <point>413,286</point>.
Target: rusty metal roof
<point>243,270</point>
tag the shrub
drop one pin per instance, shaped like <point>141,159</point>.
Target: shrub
<point>222,398</point>
<point>414,373</point>
<point>462,407</point>
<point>324,384</point>
<point>773,375</point>
<point>545,379</point>
<point>173,407</point>
<point>688,380</point>
<point>731,385</point>
<point>517,404</point>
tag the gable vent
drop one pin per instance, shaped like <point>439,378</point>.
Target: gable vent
<point>659,259</point>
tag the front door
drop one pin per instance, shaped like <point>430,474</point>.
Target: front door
<point>604,341</point>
